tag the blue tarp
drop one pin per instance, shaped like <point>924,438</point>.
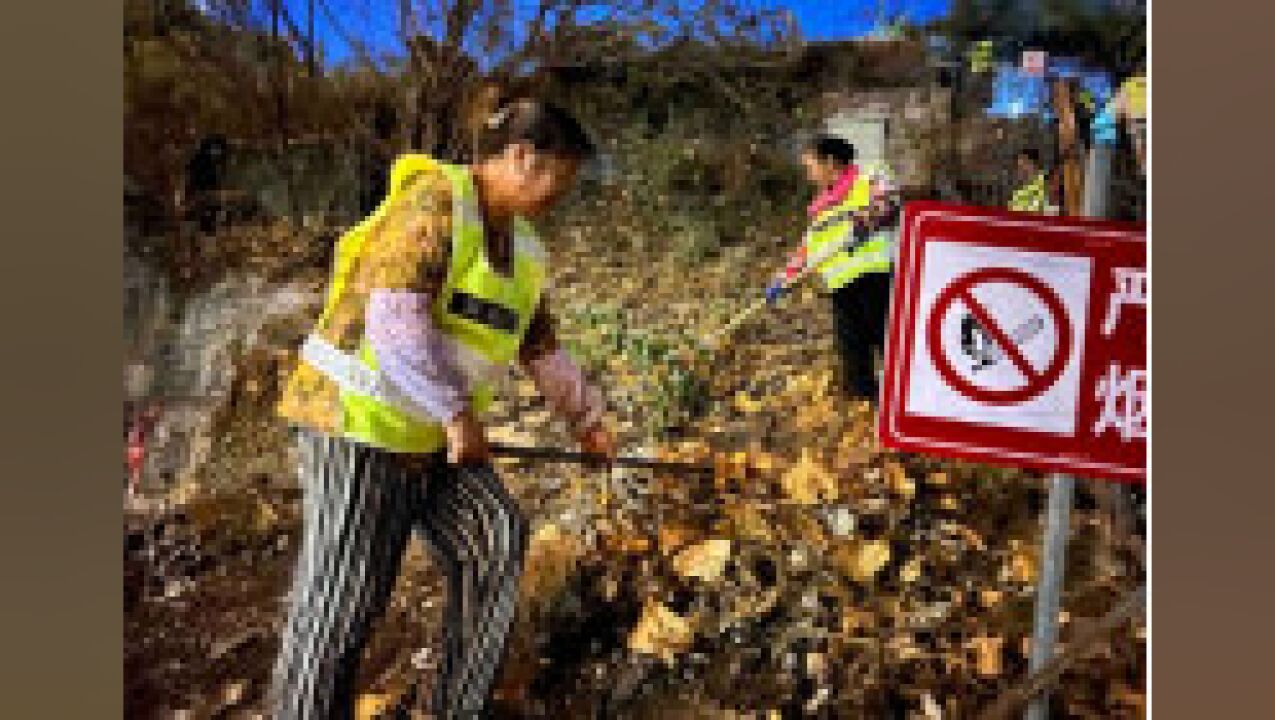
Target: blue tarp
<point>1097,83</point>
<point>1016,94</point>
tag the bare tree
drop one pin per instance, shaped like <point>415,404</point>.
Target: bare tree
<point>453,45</point>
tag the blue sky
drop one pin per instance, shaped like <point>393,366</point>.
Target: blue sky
<point>818,19</point>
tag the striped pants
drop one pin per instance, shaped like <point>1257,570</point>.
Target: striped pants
<point>361,505</point>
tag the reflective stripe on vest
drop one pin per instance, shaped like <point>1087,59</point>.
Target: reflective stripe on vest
<point>354,376</point>
<point>483,314</point>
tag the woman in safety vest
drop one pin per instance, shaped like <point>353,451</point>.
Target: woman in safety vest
<point>1033,194</point>
<point>848,246</point>
<point>432,295</point>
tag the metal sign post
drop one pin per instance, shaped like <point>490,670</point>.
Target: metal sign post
<point>1097,188</point>
<point>1049,585</point>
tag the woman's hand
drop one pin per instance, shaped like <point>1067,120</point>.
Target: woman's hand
<point>597,440</point>
<point>466,440</point>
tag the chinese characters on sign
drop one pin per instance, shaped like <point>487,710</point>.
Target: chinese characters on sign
<point>1131,289</point>
<point>1122,391</point>
<point>1122,395</point>
<point>1019,340</point>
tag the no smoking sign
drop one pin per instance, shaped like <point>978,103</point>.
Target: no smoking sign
<point>997,350</point>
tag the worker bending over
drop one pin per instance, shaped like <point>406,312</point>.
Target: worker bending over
<point>432,295</point>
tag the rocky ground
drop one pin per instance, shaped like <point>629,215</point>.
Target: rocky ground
<point>815,575</point>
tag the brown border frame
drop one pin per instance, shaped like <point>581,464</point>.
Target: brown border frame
<point>1210,490</point>
<point>62,607</point>
<point>1211,495</point>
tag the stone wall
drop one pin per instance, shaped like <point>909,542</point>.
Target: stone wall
<point>184,356</point>
<point>914,119</point>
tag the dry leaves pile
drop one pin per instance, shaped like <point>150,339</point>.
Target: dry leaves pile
<point>815,574</point>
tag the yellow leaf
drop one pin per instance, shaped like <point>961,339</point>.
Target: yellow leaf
<point>1022,565</point>
<point>821,383</point>
<point>536,418</point>
<point>900,483</point>
<point>764,462</point>
<point>987,654</point>
<point>747,522</point>
<point>509,435</point>
<point>872,556</point>
<point>863,560</point>
<point>730,466</point>
<point>661,632</point>
<point>856,619</point>
<point>910,572</point>
<point>808,482</point>
<point>673,536</point>
<point>628,544</point>
<point>370,705</point>
<point>745,404</point>
<point>704,561</point>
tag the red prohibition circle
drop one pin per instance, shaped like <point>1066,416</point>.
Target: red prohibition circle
<point>1037,382</point>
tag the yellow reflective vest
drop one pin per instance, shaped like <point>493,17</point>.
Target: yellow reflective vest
<point>835,226</point>
<point>484,314</point>
<point>1134,91</point>
<point>1031,197</point>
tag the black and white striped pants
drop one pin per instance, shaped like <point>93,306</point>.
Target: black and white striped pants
<point>361,505</point>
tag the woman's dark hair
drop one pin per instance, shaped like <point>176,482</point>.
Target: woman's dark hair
<point>1031,154</point>
<point>500,118</point>
<point>829,148</point>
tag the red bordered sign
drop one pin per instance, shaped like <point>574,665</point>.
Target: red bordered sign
<point>1019,339</point>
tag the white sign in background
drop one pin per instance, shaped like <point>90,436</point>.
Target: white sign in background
<point>1021,314</point>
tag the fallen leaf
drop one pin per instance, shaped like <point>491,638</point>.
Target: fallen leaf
<point>536,418</point>
<point>862,561</point>
<point>661,632</point>
<point>808,482</point>
<point>674,535</point>
<point>987,653</point>
<point>856,619</point>
<point>910,572</point>
<point>764,462</point>
<point>370,705</point>
<point>628,543</point>
<point>900,483</point>
<point>704,561</point>
<point>748,522</point>
<point>746,404</point>
<point>509,435</point>
<point>1022,565</point>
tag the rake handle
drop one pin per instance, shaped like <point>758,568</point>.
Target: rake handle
<point>712,340</point>
<point>554,454</point>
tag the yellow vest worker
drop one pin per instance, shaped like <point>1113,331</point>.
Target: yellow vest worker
<point>833,227</point>
<point>1031,197</point>
<point>440,288</point>
<point>849,244</point>
<point>482,313</point>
